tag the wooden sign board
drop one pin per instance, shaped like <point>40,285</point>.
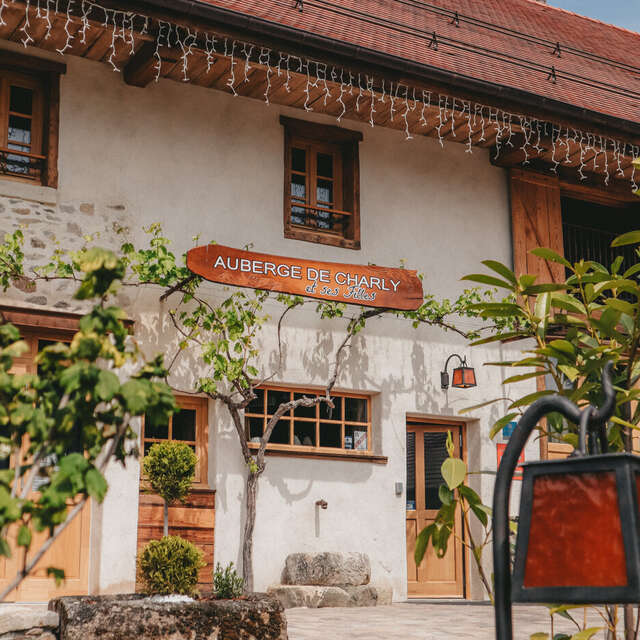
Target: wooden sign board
<point>353,284</point>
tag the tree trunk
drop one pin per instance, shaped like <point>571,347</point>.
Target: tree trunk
<point>629,623</point>
<point>166,519</point>
<point>247,540</point>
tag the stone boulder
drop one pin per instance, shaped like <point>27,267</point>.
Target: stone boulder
<point>291,596</point>
<point>21,622</point>
<point>257,617</point>
<point>327,569</point>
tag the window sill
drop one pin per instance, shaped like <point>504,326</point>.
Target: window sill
<point>317,453</point>
<point>16,188</point>
<point>321,238</point>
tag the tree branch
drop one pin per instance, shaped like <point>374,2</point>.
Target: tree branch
<point>178,286</point>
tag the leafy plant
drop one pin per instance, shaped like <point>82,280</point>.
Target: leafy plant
<point>227,583</point>
<point>169,566</point>
<point>170,468</point>
<point>65,423</point>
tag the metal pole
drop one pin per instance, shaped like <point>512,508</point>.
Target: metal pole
<point>504,478</point>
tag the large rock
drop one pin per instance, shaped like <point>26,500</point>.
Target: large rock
<point>328,569</point>
<point>367,595</point>
<point>29,623</point>
<point>258,617</point>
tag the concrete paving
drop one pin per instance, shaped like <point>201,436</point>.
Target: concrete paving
<point>422,621</point>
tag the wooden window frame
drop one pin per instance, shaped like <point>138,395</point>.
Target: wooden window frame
<point>200,405</point>
<point>43,77</point>
<point>317,451</point>
<point>343,145</point>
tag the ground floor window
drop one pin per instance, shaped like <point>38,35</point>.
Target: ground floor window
<point>188,425</point>
<point>346,427</point>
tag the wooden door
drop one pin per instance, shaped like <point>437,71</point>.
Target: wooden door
<point>426,451</point>
<point>70,552</point>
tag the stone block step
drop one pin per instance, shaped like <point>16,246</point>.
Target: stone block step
<point>311,596</point>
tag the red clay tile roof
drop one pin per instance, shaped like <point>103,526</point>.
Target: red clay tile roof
<point>508,43</point>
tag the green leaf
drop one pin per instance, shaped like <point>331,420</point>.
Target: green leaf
<point>135,395</point>
<point>96,484</point>
<point>469,494</point>
<point>482,278</point>
<point>539,636</point>
<point>621,305</point>
<point>551,256</point>
<point>58,575</point>
<point>482,404</point>
<point>632,237</point>
<point>524,376</point>
<point>501,269</point>
<point>480,513</point>
<point>422,542</point>
<point>571,372</point>
<point>561,608</point>
<point>108,385</point>
<point>24,536</point>
<point>500,337</point>
<point>5,549</point>
<point>543,305</point>
<point>454,472</point>
<point>498,425</point>
<point>624,423</point>
<point>528,399</point>
<point>445,495</point>
<point>568,303</point>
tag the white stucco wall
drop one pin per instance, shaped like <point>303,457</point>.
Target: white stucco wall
<point>204,163</point>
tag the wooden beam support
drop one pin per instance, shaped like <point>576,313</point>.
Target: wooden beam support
<point>140,70</point>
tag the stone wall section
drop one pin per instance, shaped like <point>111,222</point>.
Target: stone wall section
<point>64,226</point>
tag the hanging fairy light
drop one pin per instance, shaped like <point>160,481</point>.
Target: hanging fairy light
<point>565,143</point>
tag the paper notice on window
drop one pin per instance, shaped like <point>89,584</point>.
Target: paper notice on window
<point>360,440</point>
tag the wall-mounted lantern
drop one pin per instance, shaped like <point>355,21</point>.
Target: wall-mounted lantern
<point>464,376</point>
<point>579,526</point>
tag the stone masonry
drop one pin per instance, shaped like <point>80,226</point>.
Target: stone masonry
<point>329,579</point>
<point>48,227</point>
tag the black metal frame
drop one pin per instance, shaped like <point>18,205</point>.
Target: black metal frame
<point>591,419</point>
<point>625,466</point>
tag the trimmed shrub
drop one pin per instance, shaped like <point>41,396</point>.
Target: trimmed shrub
<point>170,468</point>
<point>226,582</point>
<point>170,565</point>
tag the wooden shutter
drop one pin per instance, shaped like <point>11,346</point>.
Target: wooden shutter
<point>536,222</point>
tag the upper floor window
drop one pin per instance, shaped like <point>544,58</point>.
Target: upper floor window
<point>589,228</point>
<point>345,427</point>
<point>29,105</point>
<point>322,192</point>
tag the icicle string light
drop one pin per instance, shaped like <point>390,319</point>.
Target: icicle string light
<point>438,114</point>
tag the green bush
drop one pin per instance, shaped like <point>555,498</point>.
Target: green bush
<point>226,582</point>
<point>170,468</point>
<point>170,565</point>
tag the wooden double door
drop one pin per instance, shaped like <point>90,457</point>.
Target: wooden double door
<point>426,451</point>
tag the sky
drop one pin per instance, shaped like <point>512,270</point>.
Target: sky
<point>624,13</point>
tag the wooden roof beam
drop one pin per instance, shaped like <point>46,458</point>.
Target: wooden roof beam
<point>140,70</point>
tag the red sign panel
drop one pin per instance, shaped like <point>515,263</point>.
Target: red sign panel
<point>518,473</point>
<point>353,284</point>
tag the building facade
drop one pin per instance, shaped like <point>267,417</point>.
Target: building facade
<point>426,138</point>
